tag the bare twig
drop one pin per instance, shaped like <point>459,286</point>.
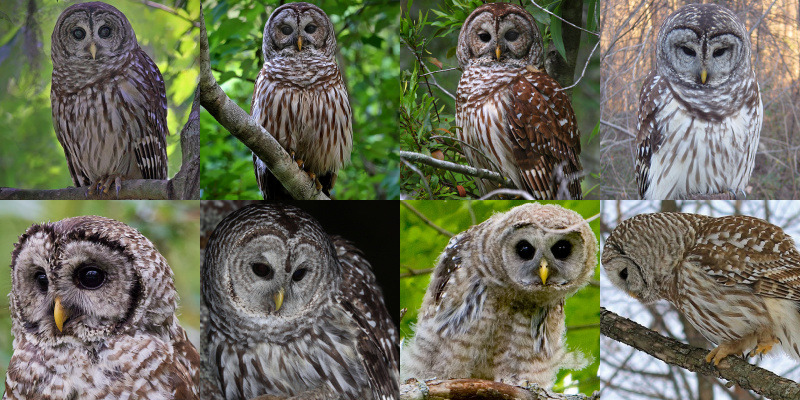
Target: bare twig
<point>424,219</point>
<point>462,169</point>
<point>564,21</point>
<point>477,389</point>
<point>421,175</point>
<point>673,352</point>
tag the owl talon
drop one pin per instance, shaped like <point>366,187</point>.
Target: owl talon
<point>300,164</point>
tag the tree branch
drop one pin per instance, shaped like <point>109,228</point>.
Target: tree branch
<point>461,169</point>
<point>244,128</point>
<point>671,351</point>
<point>477,389</point>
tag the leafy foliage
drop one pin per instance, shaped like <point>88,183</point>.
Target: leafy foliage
<point>420,245</point>
<point>172,226</point>
<point>31,156</point>
<point>366,33</point>
<point>429,31</point>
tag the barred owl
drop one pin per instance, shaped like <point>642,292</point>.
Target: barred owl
<point>700,110</point>
<point>494,308</point>
<point>735,278</point>
<point>300,97</point>
<point>514,118</point>
<point>108,98</point>
<point>293,312</point>
<point>93,315</point>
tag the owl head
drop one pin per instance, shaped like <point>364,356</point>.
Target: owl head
<point>543,249</point>
<point>91,33</point>
<point>298,30</point>
<point>268,264</point>
<point>499,34</point>
<point>84,279</point>
<point>703,46</point>
<point>643,251</point>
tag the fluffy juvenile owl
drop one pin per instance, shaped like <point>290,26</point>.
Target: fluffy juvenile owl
<point>494,308</point>
<point>300,97</point>
<point>735,278</point>
<point>93,315</point>
<point>700,110</point>
<point>292,312</point>
<point>514,118</point>
<point>108,98</point>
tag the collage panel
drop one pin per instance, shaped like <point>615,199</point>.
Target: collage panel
<point>103,298</point>
<point>499,98</point>
<point>97,100</point>
<point>700,101</point>
<point>321,79</point>
<point>300,300</point>
<point>699,299</point>
<point>483,286</point>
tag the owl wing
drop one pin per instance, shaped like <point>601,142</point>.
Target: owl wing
<point>378,340</point>
<point>187,377</point>
<point>546,136</point>
<point>648,135</point>
<point>151,149</point>
<point>749,251</point>
<point>63,133</point>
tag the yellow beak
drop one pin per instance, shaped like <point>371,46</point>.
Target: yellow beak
<point>278,299</point>
<point>703,76</point>
<point>93,50</point>
<point>543,272</point>
<point>497,51</point>
<point>299,43</point>
<point>60,314</point>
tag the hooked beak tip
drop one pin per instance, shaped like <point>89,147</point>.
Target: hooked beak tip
<point>299,43</point>
<point>93,50</point>
<point>703,76</point>
<point>497,52</point>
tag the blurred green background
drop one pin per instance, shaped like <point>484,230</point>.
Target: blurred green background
<point>429,29</point>
<point>31,156</point>
<point>420,246</point>
<point>366,33</point>
<point>172,226</point>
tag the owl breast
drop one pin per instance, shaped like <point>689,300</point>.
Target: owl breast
<point>482,99</point>
<point>304,104</point>
<point>699,155</point>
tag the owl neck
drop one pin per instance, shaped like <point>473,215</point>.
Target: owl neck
<point>716,106</point>
<point>301,71</point>
<point>74,77</point>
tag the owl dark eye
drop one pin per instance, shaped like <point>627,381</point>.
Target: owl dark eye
<point>78,33</point>
<point>689,52</point>
<point>286,30</point>
<point>562,249</point>
<point>41,280</point>
<point>104,32</point>
<point>624,274</point>
<point>90,277</point>
<point>525,250</point>
<point>263,270</point>
<point>311,28</point>
<point>719,52</point>
<point>298,275</point>
<point>485,37</point>
<point>512,35</point>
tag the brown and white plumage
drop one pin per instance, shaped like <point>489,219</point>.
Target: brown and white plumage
<point>293,312</point>
<point>698,134</point>
<point>93,315</point>
<point>110,107</point>
<point>735,278</point>
<point>514,118</point>
<point>300,97</point>
<point>494,308</point>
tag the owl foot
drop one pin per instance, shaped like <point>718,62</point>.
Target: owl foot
<point>728,348</point>
<point>104,184</point>
<point>764,346</point>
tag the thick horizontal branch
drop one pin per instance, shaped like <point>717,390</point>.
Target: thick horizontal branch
<point>131,190</point>
<point>461,169</point>
<point>477,389</point>
<point>671,351</point>
<point>244,128</point>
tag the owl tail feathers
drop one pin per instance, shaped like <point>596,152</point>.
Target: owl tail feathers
<point>786,317</point>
